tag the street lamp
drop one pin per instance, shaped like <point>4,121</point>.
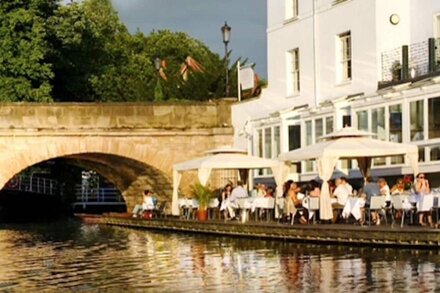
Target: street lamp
<point>157,63</point>
<point>226,33</point>
<point>158,93</point>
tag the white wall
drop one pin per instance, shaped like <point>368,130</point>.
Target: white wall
<point>371,33</point>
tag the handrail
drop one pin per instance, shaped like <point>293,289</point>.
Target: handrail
<point>33,184</point>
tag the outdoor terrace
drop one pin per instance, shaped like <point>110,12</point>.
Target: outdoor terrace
<point>410,63</point>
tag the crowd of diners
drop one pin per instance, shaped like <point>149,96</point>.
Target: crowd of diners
<point>290,206</point>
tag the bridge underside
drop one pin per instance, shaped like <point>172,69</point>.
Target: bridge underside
<point>129,176</point>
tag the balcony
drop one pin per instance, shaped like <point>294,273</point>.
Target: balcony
<point>410,63</point>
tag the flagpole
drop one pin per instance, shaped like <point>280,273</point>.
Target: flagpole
<point>238,81</point>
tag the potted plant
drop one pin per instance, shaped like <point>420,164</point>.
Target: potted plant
<point>203,195</point>
<point>396,71</point>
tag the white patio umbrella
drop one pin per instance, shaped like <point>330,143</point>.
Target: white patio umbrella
<point>224,158</point>
<point>345,144</point>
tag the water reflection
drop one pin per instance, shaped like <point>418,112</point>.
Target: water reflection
<point>84,258</point>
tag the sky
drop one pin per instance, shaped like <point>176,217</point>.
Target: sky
<point>202,19</point>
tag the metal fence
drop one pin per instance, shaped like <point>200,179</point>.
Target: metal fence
<point>86,194</point>
<point>33,184</point>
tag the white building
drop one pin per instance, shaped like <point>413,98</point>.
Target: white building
<point>338,62</point>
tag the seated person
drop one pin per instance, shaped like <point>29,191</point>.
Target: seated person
<point>347,185</point>
<point>237,192</point>
<point>293,202</point>
<point>370,189</point>
<point>398,188</point>
<point>340,194</point>
<point>261,190</point>
<point>270,192</point>
<point>314,190</point>
<point>384,190</point>
<point>225,198</point>
<point>339,197</point>
<point>148,203</point>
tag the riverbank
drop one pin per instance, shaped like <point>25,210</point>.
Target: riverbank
<point>325,234</point>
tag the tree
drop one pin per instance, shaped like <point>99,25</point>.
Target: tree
<point>25,73</point>
<point>82,52</point>
<point>92,61</point>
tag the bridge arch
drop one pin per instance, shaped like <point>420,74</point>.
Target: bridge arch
<point>130,166</point>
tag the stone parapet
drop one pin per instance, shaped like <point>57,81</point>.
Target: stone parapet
<point>114,116</point>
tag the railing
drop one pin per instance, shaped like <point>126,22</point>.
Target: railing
<point>86,195</point>
<point>410,61</point>
<point>32,184</point>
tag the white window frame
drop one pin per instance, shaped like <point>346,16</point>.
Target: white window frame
<point>293,72</point>
<point>344,51</point>
<point>312,120</point>
<point>436,20</point>
<point>274,154</point>
<point>291,9</point>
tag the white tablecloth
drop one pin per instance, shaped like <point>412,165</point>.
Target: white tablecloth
<point>193,203</point>
<point>353,206</point>
<point>425,202</point>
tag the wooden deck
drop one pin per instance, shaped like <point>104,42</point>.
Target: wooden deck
<point>412,236</point>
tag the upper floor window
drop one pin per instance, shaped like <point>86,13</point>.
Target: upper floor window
<point>344,57</point>
<point>291,9</point>
<point>293,80</point>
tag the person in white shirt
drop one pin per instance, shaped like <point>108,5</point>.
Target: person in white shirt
<point>384,189</point>
<point>347,185</point>
<point>340,193</point>
<point>238,192</point>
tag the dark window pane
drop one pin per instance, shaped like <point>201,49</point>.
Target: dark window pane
<point>294,137</point>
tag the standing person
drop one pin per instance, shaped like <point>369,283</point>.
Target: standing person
<point>422,187</point>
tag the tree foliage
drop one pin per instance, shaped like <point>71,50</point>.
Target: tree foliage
<point>25,73</point>
<point>83,52</point>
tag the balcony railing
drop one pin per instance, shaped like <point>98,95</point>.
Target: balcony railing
<point>410,62</point>
<point>102,195</point>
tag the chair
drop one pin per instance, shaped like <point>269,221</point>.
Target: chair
<point>397,201</point>
<point>159,211</point>
<point>313,206</point>
<point>376,203</point>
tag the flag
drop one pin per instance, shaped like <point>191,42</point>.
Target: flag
<point>247,78</point>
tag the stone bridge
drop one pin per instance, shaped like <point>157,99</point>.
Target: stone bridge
<point>133,145</point>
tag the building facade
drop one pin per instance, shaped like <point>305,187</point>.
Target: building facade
<point>371,64</point>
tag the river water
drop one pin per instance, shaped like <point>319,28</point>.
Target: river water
<point>69,256</point>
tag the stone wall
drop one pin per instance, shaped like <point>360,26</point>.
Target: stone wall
<point>116,116</point>
<point>132,145</point>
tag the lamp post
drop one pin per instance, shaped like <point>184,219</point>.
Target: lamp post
<point>158,94</point>
<point>226,33</point>
<point>157,63</point>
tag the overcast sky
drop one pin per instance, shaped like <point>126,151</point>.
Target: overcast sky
<point>202,20</point>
